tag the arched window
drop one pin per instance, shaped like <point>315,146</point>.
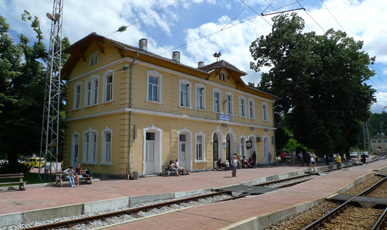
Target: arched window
<point>106,151</point>
<point>77,95</point>
<point>265,113</point>
<point>154,88</point>
<point>89,154</point>
<point>185,93</point>
<point>91,91</point>
<point>200,139</point>
<point>108,80</point>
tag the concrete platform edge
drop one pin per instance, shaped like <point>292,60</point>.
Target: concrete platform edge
<point>111,204</point>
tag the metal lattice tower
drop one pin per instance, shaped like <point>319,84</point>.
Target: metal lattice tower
<point>49,144</point>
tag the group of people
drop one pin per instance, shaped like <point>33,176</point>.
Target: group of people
<point>176,167</point>
<point>74,175</point>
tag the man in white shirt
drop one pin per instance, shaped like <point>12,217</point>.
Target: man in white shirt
<point>70,175</point>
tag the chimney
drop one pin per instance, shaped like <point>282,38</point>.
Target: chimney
<point>143,44</point>
<point>200,64</point>
<point>176,56</point>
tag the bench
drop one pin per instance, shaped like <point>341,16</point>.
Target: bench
<point>60,177</point>
<point>19,176</point>
<point>169,171</point>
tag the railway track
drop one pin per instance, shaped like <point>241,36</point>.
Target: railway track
<point>287,182</point>
<point>134,213</point>
<point>342,214</point>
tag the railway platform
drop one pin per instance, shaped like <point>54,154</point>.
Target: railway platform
<point>38,203</point>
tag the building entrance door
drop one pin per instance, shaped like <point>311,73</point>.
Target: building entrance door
<point>228,148</point>
<point>182,153</point>
<point>150,153</point>
<point>215,148</point>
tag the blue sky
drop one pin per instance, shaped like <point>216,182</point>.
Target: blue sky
<point>234,24</point>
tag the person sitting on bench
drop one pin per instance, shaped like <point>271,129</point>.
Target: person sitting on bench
<point>181,169</point>
<point>220,165</point>
<point>78,174</point>
<point>70,175</point>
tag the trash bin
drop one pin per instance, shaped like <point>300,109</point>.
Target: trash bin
<point>135,175</point>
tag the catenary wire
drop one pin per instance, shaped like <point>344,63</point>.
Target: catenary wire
<point>243,9</point>
<point>148,15</point>
<point>255,12</point>
<point>310,16</point>
<point>332,15</point>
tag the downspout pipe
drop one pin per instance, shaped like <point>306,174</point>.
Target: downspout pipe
<point>275,140</point>
<point>130,115</point>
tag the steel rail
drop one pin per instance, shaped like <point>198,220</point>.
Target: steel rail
<point>280,180</point>
<point>380,221</point>
<point>122,212</point>
<point>293,183</point>
<point>323,219</point>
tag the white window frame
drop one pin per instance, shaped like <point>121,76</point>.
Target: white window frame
<point>105,96</point>
<point>222,76</point>
<point>203,144</point>
<point>104,146</point>
<point>229,103</point>
<point>251,116</point>
<point>265,112</point>
<point>242,111</point>
<point>189,89</point>
<point>91,98</point>
<point>75,136</point>
<point>155,74</point>
<point>90,148</point>
<point>93,58</point>
<point>203,99</point>
<point>243,149</point>
<point>77,97</point>
<point>216,90</point>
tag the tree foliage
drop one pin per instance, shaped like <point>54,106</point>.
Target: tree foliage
<point>320,82</point>
<point>22,79</point>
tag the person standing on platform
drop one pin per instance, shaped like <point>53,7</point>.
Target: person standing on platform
<point>312,162</point>
<point>301,158</point>
<point>338,160</point>
<point>254,159</point>
<point>269,158</point>
<point>234,163</point>
<point>363,158</point>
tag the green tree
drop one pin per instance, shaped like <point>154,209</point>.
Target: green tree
<point>22,79</point>
<point>320,82</point>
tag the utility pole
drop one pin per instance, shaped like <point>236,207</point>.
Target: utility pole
<point>49,143</point>
<point>366,137</point>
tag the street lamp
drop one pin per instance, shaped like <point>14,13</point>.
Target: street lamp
<point>54,18</point>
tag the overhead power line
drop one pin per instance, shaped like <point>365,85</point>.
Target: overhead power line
<point>281,12</point>
<point>332,15</point>
<point>311,16</point>
<point>124,27</point>
<point>255,12</point>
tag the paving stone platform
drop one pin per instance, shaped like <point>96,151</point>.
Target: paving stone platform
<point>42,202</point>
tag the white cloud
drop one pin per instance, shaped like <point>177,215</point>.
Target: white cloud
<point>364,20</point>
<point>381,102</point>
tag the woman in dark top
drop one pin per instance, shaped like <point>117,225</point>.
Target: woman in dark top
<point>78,174</point>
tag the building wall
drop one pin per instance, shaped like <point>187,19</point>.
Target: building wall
<point>167,117</point>
<point>378,144</point>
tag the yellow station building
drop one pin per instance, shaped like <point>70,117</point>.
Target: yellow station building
<point>131,110</point>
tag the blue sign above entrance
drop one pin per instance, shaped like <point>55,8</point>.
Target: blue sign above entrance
<point>224,117</point>
<point>224,125</point>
